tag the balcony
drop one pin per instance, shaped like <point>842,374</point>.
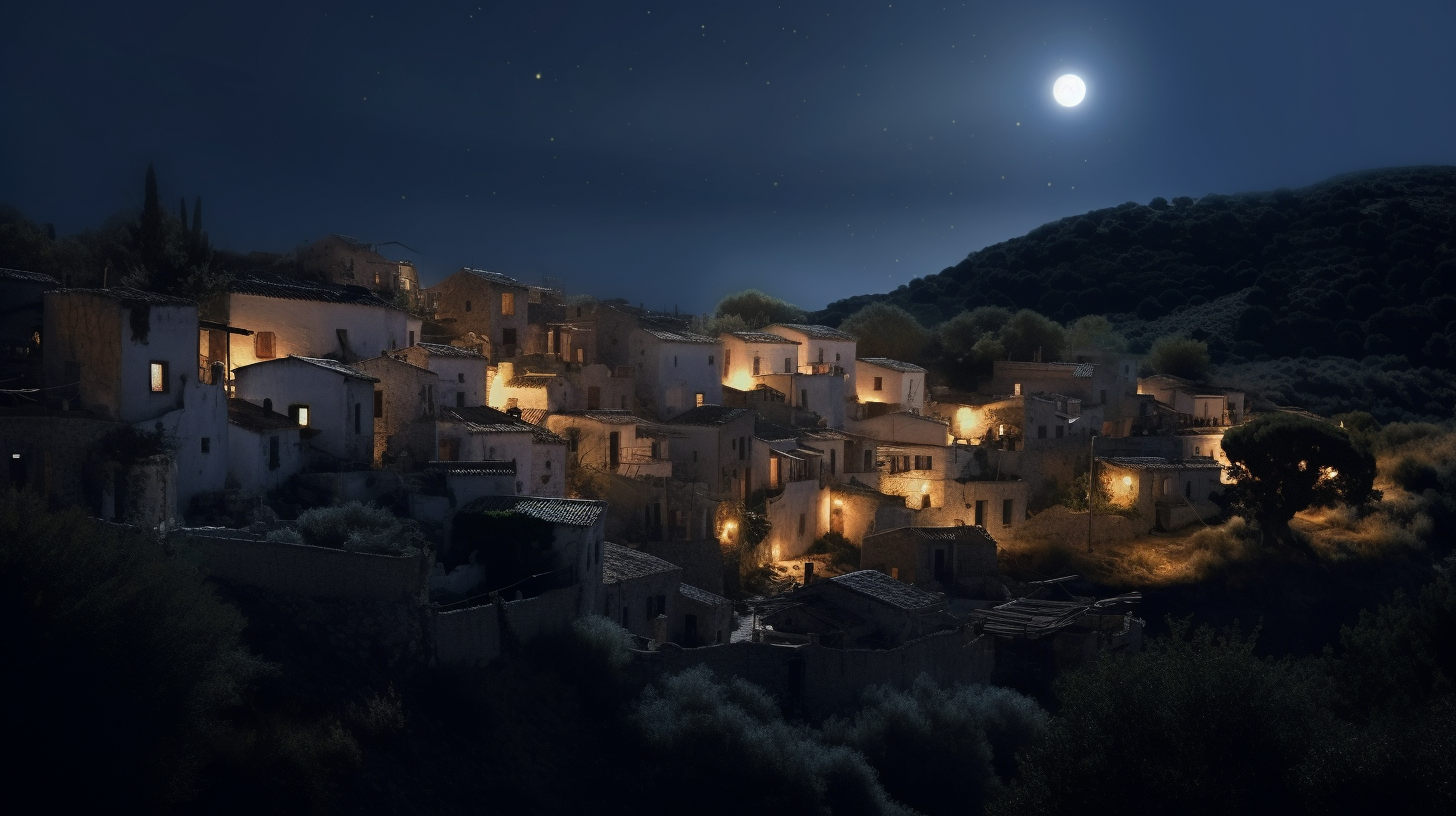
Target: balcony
<point>822,368</point>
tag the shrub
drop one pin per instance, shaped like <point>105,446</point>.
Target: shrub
<point>839,548</point>
<point>1180,357</point>
<point>355,527</point>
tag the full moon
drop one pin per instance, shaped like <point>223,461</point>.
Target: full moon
<point>1069,90</point>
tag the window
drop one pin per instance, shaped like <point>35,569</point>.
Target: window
<point>788,365</point>
<point>710,359</point>
<point>264,345</point>
<point>821,354</point>
<point>803,398</point>
<point>459,399</point>
<point>343,335</point>
<point>742,447</point>
<point>412,337</point>
<point>1061,430</point>
<point>930,463</point>
<point>698,399</point>
<point>980,512</point>
<point>508,337</point>
<point>869,461</point>
<point>159,377</point>
<point>508,303</point>
<point>378,404</point>
<point>357,424</point>
<point>299,414</point>
<point>1006,512</point>
<point>879,383</point>
<point>272,453</point>
<point>467,305</point>
<point>756,363</point>
<point>513,402</point>
<point>1041,432</point>
<point>674,361</point>
<point>206,444</point>
<point>581,355</point>
<point>593,397</point>
<point>1016,389</point>
<point>460,377</point>
<point>832,453</point>
<point>801,525</point>
<point>695,456</point>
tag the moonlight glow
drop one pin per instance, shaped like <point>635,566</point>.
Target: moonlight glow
<point>1069,90</point>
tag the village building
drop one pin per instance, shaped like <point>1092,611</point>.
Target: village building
<point>482,433</point>
<point>576,545</point>
<point>265,448</point>
<point>716,448</point>
<point>796,498</point>
<point>899,386</point>
<point>845,455</point>
<point>553,386</point>
<point>962,556</point>
<point>462,372</point>
<point>468,481</point>
<point>707,618</point>
<point>404,409</point>
<point>332,398</point>
<point>346,261</point>
<point>822,350</point>
<point>1197,406</point>
<point>616,442</point>
<point>290,317</point>
<point>763,363</point>
<point>1168,494</point>
<point>856,510</point>
<point>132,357</point>
<point>863,609</point>
<point>1037,638</point>
<point>22,322</point>
<point>480,307</point>
<point>676,370</point>
<point>1107,386</point>
<point>646,596</point>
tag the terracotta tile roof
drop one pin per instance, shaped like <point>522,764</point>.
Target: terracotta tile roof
<point>129,296</point>
<point>332,365</point>
<point>762,337</point>
<point>307,290</point>
<point>702,596</point>
<point>881,587</point>
<point>494,277</point>
<point>623,563</point>
<point>818,332</point>
<point>486,467</point>
<point>670,336</point>
<point>256,418</point>
<point>607,417</point>
<point>570,512</point>
<point>708,415</point>
<point>1159,463</point>
<point>450,351</point>
<point>27,277</point>
<point>535,416</point>
<point>768,431</point>
<point>893,365</point>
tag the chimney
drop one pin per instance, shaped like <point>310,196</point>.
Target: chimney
<point>808,573</point>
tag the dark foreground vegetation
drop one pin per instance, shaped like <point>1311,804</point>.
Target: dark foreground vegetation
<point>132,680</point>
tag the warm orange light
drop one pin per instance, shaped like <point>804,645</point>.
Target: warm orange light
<point>1127,481</point>
<point>925,487</point>
<point>839,502</point>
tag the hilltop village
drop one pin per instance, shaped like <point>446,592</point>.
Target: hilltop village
<point>765,502</point>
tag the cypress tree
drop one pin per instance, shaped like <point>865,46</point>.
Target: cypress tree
<point>197,237</point>
<point>182,212</point>
<point>149,230</point>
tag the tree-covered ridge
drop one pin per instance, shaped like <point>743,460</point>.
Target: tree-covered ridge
<point>1360,264</point>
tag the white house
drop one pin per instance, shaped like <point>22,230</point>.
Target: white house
<point>749,355</point>
<point>461,372</point>
<point>481,433</point>
<point>615,442</point>
<point>265,447</point>
<point>676,370</point>
<point>132,357</point>
<point>335,399</point>
<point>880,379</point>
<point>296,318</point>
<point>822,350</point>
<point>716,448</point>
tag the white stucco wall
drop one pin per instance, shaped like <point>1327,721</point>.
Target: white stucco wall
<point>671,374</point>
<point>248,459</point>
<point>309,328</point>
<point>332,398</point>
<point>905,388</point>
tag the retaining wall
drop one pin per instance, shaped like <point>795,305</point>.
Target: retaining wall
<point>300,569</point>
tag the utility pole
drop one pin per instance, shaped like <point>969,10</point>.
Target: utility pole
<point>1091,482</point>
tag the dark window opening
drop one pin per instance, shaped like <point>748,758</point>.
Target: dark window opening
<point>207,444</point>
<point>378,404</point>
<point>273,453</point>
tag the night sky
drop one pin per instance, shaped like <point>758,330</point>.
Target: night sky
<point>673,153</point>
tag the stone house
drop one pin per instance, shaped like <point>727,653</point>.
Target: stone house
<point>22,322</point>
<point>615,442</point>
<point>478,306</point>
<point>936,556</point>
<point>577,543</point>
<point>1168,494</point>
<point>559,387</point>
<point>706,618</point>
<point>334,399</point>
<point>822,350</point>
<point>1108,385</point>
<point>676,370</point>
<point>845,455</point>
<point>462,372</point>
<point>404,408</point>
<point>1196,405</point>
<point>863,609</point>
<point>716,448</point>
<point>346,261</point>
<point>637,589</point>
<point>265,447</point>
<point>902,385</point>
<point>856,510</point>
<point>289,317</point>
<point>132,357</point>
<point>467,481</point>
<point>481,433</point>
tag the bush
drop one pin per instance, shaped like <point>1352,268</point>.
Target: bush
<point>839,548</point>
<point>967,733</point>
<point>1180,357</point>
<point>355,527</point>
<point>887,331</point>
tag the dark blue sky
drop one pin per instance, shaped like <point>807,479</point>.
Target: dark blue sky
<point>672,153</point>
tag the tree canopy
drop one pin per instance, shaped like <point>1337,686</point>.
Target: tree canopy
<point>1180,357</point>
<point>757,309</point>
<point>1283,463</point>
<point>887,331</point>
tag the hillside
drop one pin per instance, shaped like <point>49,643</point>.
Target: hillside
<point>1360,267</point>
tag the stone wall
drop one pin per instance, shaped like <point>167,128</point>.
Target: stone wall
<point>701,561</point>
<point>299,569</point>
<point>1058,524</point>
<point>54,453</point>
<point>817,681</point>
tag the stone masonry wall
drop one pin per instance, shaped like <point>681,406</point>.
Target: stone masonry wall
<point>303,570</point>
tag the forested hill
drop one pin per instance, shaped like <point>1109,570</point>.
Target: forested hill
<point>1361,264</point>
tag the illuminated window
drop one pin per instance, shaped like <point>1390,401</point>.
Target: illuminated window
<point>580,355</point>
<point>756,365</point>
<point>508,303</point>
<point>159,377</point>
<point>698,398</point>
<point>264,345</point>
<point>299,414</point>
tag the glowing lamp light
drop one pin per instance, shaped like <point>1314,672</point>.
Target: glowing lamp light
<point>14,456</point>
<point>1127,481</point>
<point>839,502</point>
<point>925,487</point>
